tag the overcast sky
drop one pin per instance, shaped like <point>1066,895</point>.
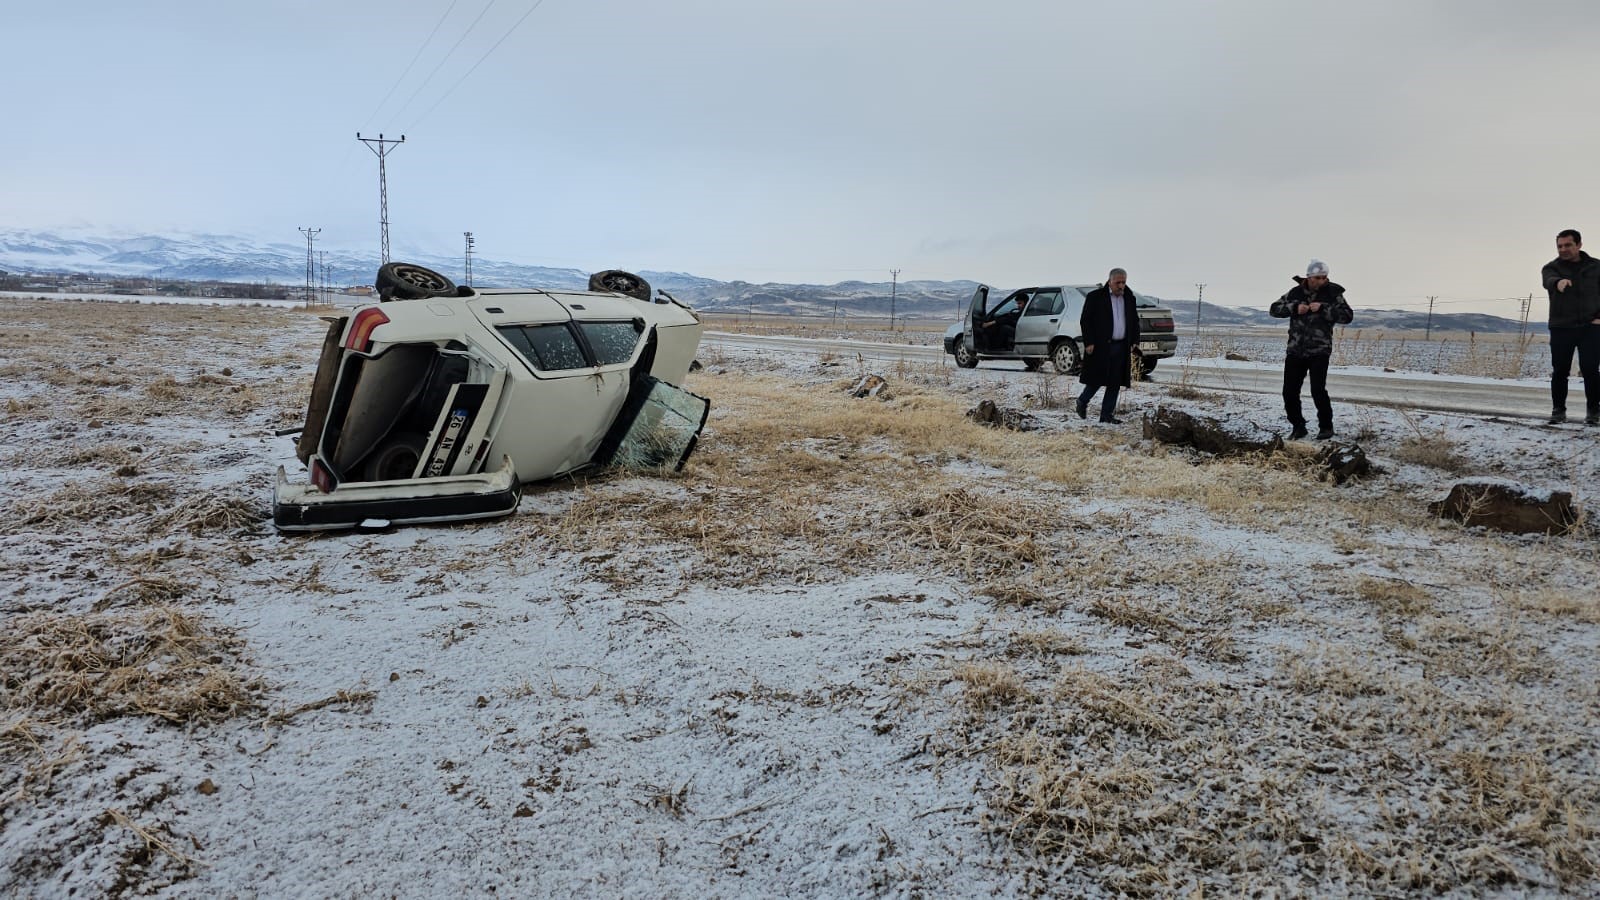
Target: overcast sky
<point>1421,147</point>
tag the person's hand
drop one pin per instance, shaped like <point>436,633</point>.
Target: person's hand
<point>1316,305</point>
<point>1088,349</point>
<point>1302,309</point>
<point>1563,284</point>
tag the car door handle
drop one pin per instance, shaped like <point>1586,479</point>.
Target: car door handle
<point>1053,321</point>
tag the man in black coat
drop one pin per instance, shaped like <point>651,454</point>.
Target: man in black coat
<point>1573,280</point>
<point>1312,307</point>
<point>1110,328</point>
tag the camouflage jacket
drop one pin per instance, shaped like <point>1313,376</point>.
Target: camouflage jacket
<point>1311,334</point>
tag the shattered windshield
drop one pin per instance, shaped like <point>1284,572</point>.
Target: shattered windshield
<point>664,432</point>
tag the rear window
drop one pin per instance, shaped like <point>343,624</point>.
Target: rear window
<point>612,342</point>
<point>550,348</point>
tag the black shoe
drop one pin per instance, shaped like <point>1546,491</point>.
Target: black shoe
<point>1324,432</point>
<point>1083,410</point>
<point>1297,433</point>
<point>1593,418</point>
<point>1558,416</point>
<point>1112,420</point>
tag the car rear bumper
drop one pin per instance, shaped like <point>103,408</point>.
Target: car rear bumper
<point>452,498</point>
<point>1158,347</point>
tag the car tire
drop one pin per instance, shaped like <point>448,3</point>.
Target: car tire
<point>965,358</point>
<point>396,458</point>
<point>616,281</point>
<point>409,281</point>
<point>1031,364</point>
<point>1146,366</point>
<point>1066,357</point>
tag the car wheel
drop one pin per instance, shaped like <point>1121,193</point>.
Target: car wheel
<point>396,458</point>
<point>408,281</point>
<point>1066,358</point>
<point>965,358</point>
<point>1146,366</point>
<point>1032,365</point>
<point>616,281</point>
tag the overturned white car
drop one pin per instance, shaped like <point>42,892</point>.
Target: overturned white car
<point>439,408</point>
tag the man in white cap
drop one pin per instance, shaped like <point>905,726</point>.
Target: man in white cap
<point>1313,306</point>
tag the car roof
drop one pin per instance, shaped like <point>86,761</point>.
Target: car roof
<point>583,304</point>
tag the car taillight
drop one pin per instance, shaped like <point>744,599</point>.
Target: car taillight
<point>322,478</point>
<point>359,337</point>
<point>1161,324</point>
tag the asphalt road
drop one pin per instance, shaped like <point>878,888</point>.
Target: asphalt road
<point>1431,392</point>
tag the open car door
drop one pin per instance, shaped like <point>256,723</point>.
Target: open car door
<point>976,310</point>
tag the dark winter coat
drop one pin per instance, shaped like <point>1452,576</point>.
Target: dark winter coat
<point>1311,334</point>
<point>1579,304</point>
<point>1101,367</point>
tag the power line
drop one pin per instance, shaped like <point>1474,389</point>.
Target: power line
<point>418,55</point>
<point>894,290</point>
<point>447,55</point>
<point>475,65</point>
<point>382,151</point>
<point>311,273</point>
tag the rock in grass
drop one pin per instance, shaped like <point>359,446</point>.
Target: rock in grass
<point>1176,426</point>
<point>987,413</point>
<point>870,385</point>
<point>1508,506</point>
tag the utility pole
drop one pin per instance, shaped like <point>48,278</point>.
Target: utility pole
<point>1428,329</point>
<point>1199,298</point>
<point>894,290</point>
<point>382,151</point>
<point>311,269</point>
<point>470,242</point>
<point>322,267</point>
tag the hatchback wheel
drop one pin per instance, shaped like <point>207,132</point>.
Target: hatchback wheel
<point>408,281</point>
<point>396,459</point>
<point>616,281</point>
<point>1066,358</point>
<point>965,358</point>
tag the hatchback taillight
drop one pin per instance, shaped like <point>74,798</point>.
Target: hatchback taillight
<point>322,478</point>
<point>359,337</point>
<point>1161,324</point>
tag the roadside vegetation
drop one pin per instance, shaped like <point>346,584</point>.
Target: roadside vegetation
<point>1191,675</point>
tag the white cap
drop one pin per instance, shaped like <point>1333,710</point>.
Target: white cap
<point>1316,267</point>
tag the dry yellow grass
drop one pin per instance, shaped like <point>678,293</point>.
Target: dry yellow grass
<point>158,662</point>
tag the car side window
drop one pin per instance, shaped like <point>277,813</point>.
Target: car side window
<point>549,347</point>
<point>612,342</point>
<point>1046,303</point>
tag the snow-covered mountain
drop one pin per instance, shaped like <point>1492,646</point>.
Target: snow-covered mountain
<point>220,257</point>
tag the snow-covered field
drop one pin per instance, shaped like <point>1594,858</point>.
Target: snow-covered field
<point>858,647</point>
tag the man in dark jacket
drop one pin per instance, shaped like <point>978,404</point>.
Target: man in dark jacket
<point>1313,306</point>
<point>1573,280</point>
<point>1110,327</point>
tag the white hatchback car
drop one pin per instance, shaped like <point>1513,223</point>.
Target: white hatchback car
<point>439,405</point>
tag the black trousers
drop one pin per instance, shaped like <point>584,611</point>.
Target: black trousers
<point>1295,370</point>
<point>1585,339</point>
<point>1117,361</point>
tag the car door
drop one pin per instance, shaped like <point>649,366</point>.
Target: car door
<point>998,329</point>
<point>975,313</point>
<point>1039,321</point>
